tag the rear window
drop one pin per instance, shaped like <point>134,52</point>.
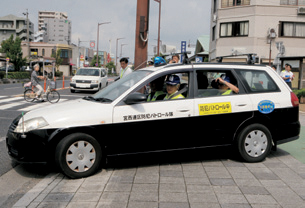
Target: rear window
<point>257,81</point>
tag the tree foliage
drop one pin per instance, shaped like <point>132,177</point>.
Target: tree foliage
<point>58,59</point>
<point>93,62</point>
<point>13,50</point>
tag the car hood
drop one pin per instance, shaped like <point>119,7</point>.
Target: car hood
<point>73,113</point>
<point>80,77</point>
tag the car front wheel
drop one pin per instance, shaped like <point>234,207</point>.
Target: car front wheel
<point>254,143</point>
<point>78,155</point>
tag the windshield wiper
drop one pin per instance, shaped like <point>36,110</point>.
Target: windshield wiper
<point>103,99</point>
<point>88,98</point>
<point>97,99</point>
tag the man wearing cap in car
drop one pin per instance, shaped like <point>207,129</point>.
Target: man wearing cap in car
<point>226,87</point>
<point>172,86</point>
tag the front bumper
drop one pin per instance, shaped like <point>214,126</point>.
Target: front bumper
<point>30,147</point>
<point>74,86</point>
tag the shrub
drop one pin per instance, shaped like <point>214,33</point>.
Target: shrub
<point>18,75</point>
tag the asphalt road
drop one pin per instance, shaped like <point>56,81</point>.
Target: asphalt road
<point>22,177</point>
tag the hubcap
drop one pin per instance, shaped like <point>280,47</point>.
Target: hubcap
<point>80,156</point>
<point>256,143</point>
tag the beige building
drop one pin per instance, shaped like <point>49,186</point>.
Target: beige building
<point>271,29</point>
<point>17,26</point>
<point>42,15</point>
<point>42,52</point>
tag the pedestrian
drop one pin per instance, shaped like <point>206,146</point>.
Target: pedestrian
<point>35,81</point>
<point>175,59</point>
<point>273,67</point>
<point>125,70</point>
<point>287,75</point>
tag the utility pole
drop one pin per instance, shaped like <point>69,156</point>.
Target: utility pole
<point>27,31</point>
<point>141,39</point>
<point>158,49</point>
<point>98,29</point>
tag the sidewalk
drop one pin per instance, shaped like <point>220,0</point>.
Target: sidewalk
<point>279,181</point>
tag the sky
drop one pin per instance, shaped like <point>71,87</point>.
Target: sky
<point>181,20</point>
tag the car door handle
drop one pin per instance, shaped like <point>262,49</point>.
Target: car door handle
<point>182,110</point>
<point>241,104</point>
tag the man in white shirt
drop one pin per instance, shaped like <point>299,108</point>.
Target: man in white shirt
<point>287,75</point>
<point>125,70</point>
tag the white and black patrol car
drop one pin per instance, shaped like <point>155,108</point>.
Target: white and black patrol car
<point>263,113</point>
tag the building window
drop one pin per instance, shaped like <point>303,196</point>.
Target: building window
<point>64,53</point>
<point>214,33</point>
<point>43,52</point>
<point>234,29</point>
<point>292,2</point>
<point>293,29</point>
<point>231,3</point>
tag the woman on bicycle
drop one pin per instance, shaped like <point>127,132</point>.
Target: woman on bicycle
<point>35,81</point>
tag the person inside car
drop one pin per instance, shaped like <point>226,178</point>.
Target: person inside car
<point>172,86</point>
<point>225,87</point>
<point>156,87</point>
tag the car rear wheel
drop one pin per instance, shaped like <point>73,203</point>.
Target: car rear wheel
<point>254,143</point>
<point>78,155</point>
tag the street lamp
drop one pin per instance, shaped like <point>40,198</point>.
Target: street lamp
<point>158,49</point>
<point>116,52</point>
<point>98,29</point>
<point>122,47</point>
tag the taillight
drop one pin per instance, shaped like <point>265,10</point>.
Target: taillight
<point>294,100</point>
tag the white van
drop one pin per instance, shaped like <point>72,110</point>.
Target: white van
<point>89,79</point>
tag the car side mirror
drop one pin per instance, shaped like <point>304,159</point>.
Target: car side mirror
<point>135,98</point>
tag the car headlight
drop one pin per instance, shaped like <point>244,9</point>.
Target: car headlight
<point>73,81</point>
<point>31,124</point>
<point>94,82</point>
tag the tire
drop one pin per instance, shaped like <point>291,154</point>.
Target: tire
<point>78,155</point>
<point>53,96</point>
<point>29,95</point>
<point>254,143</point>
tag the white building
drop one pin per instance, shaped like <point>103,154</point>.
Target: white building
<point>273,29</point>
<point>247,26</point>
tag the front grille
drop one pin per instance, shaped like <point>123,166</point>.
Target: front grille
<point>14,123</point>
<point>83,81</point>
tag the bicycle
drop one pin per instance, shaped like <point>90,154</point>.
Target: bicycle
<point>50,94</point>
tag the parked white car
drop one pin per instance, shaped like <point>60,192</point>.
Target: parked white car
<point>89,79</point>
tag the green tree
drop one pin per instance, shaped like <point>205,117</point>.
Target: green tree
<point>93,62</point>
<point>13,50</point>
<point>58,59</point>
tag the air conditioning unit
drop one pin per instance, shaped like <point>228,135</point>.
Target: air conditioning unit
<point>214,18</point>
<point>301,10</point>
<point>168,49</point>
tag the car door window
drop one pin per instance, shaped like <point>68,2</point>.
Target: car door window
<point>209,84</point>
<point>257,81</point>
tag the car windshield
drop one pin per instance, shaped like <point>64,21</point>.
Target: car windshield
<point>116,89</point>
<point>88,72</point>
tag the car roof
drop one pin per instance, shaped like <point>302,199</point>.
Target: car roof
<point>210,65</point>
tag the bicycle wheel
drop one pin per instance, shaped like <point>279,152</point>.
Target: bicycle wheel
<point>29,95</point>
<point>53,96</point>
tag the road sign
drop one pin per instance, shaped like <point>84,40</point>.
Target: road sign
<point>81,56</point>
<point>7,59</point>
<point>92,44</point>
<point>183,49</point>
<point>198,59</point>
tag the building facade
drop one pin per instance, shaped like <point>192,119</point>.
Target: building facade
<point>271,29</point>
<point>57,31</point>
<point>42,15</point>
<point>17,26</point>
<point>249,26</point>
